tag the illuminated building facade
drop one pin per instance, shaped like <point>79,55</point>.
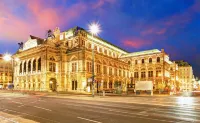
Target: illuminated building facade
<point>186,76</point>
<point>64,63</point>
<point>5,72</point>
<point>151,65</point>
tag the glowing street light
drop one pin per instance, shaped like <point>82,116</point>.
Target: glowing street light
<point>94,29</point>
<point>7,57</point>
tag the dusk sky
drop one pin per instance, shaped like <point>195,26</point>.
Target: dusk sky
<point>133,25</point>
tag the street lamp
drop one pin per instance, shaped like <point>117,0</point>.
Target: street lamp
<point>8,57</point>
<point>94,29</point>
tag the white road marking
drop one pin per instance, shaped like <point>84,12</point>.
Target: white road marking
<point>128,112</point>
<point>42,108</point>
<point>89,120</point>
<point>17,102</point>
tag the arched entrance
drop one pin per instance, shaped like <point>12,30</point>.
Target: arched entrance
<point>52,84</point>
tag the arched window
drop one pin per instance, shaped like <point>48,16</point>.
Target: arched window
<point>142,61</point>
<point>24,66</point>
<point>34,65</point>
<point>150,60</point>
<point>158,59</point>
<point>20,69</point>
<point>29,65</point>
<point>39,64</point>
<point>52,65</point>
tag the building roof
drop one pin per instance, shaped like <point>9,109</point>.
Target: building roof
<point>182,63</point>
<point>146,52</point>
<point>99,38</point>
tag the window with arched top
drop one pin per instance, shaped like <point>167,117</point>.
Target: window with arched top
<point>158,59</point>
<point>142,61</point>
<point>24,66</point>
<point>39,64</point>
<point>20,69</point>
<point>150,60</point>
<point>52,64</point>
<point>34,65</point>
<point>29,65</point>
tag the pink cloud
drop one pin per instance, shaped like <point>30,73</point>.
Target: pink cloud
<point>40,16</point>
<point>153,31</point>
<point>135,42</point>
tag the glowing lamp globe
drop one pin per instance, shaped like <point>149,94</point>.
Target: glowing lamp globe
<point>94,28</point>
<point>7,57</point>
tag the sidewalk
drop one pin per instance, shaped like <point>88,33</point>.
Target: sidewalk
<point>82,94</point>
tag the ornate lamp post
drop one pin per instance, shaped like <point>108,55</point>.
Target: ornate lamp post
<point>94,29</point>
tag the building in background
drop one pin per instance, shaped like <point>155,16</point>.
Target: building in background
<point>63,62</point>
<point>5,72</point>
<point>186,76</point>
<point>151,65</point>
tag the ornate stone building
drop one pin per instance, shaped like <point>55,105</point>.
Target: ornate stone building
<point>63,62</point>
<point>5,72</point>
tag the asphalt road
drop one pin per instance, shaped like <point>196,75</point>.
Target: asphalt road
<point>66,110</point>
